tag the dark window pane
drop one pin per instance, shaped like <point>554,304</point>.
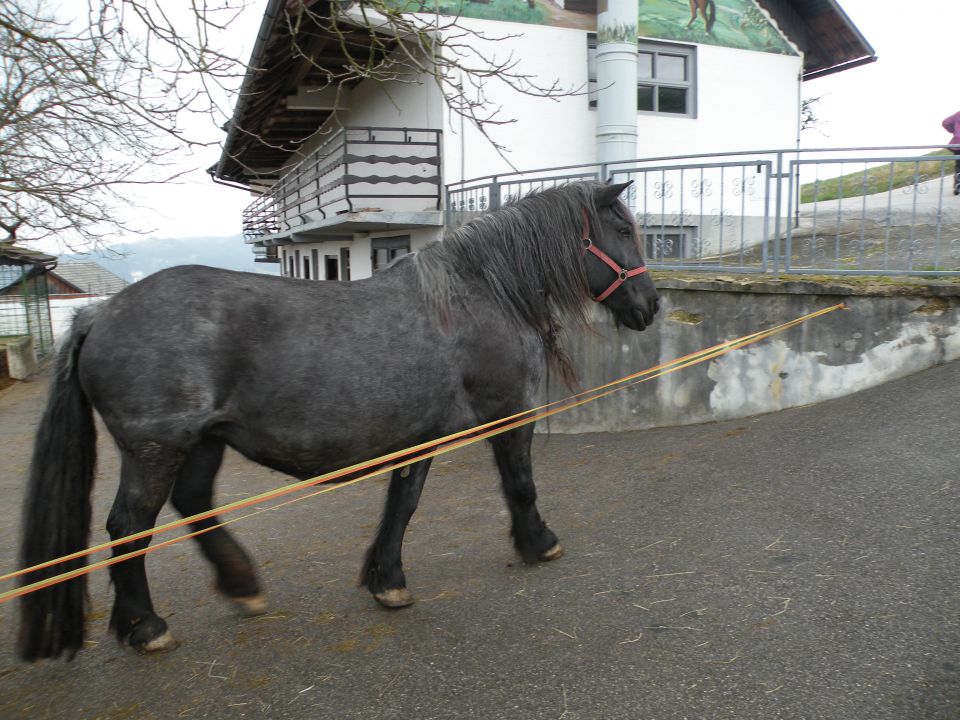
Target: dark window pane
<point>672,100</point>
<point>644,97</point>
<point>672,68</point>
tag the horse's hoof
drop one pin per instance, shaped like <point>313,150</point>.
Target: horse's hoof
<point>553,553</point>
<point>162,643</point>
<point>251,605</point>
<point>394,598</point>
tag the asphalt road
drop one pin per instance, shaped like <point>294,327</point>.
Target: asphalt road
<point>801,565</point>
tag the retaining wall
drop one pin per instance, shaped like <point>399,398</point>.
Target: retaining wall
<point>890,330</point>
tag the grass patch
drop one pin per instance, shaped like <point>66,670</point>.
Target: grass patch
<point>883,178</point>
<point>503,10</point>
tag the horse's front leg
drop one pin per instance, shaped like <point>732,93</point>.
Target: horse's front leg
<point>382,569</point>
<point>531,536</point>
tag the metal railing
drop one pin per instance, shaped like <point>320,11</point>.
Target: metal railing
<point>385,166</point>
<point>846,211</point>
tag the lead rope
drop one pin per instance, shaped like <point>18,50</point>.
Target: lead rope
<point>386,463</point>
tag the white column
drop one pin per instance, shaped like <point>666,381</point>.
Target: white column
<point>617,80</point>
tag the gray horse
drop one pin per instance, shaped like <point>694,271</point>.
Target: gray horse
<point>306,377</point>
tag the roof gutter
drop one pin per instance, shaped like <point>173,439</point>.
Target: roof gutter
<point>839,68</point>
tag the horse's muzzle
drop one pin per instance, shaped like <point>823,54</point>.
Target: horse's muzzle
<point>639,317</point>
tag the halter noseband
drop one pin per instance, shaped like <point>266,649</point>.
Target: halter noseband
<point>622,273</point>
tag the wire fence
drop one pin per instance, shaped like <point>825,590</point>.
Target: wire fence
<point>25,307</point>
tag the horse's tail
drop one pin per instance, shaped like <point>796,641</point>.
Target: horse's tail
<point>711,14</point>
<point>56,513</point>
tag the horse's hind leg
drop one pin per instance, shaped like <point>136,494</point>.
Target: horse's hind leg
<point>146,478</point>
<point>382,568</point>
<point>531,536</point>
<point>193,494</point>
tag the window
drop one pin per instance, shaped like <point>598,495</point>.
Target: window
<point>345,263</point>
<point>666,77</point>
<point>387,249</point>
<point>668,242</point>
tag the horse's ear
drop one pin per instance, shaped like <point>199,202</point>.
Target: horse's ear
<point>606,195</point>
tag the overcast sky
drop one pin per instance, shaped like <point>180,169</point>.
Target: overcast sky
<point>898,100</point>
<point>902,97</point>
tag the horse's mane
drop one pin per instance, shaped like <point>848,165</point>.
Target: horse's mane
<point>529,254</point>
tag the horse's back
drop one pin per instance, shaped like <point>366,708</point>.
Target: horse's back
<point>262,359</point>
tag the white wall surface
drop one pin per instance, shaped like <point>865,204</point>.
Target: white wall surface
<point>745,100</point>
<point>361,264</point>
<point>546,132</point>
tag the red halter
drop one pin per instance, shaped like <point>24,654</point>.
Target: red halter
<point>622,273</point>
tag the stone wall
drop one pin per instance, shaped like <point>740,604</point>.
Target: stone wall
<point>890,330</point>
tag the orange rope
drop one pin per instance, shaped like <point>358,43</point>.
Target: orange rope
<point>385,463</point>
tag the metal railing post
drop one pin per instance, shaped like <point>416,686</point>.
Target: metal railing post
<point>777,207</point>
<point>495,199</point>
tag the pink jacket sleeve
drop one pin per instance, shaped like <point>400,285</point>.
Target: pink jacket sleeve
<point>952,126</point>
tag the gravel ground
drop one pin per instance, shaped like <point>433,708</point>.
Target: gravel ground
<point>799,565</point>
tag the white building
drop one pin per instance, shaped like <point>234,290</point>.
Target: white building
<point>351,179</point>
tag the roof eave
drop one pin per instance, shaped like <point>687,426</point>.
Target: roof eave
<point>246,88</point>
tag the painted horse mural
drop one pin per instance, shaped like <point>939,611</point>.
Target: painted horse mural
<point>707,10</point>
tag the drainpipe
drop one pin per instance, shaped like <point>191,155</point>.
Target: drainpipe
<point>616,81</point>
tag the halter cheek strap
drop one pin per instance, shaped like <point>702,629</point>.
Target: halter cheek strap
<point>622,273</point>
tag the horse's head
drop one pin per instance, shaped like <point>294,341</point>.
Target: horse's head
<point>616,274</point>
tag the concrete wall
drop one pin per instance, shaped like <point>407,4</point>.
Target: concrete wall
<point>64,307</point>
<point>888,332</point>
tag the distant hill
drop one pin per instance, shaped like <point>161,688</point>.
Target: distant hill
<point>135,260</point>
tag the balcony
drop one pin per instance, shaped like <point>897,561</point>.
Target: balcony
<point>362,179</point>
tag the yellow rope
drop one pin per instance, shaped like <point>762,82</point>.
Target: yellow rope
<point>386,463</point>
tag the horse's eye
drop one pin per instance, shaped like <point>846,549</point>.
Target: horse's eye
<point>625,232</point>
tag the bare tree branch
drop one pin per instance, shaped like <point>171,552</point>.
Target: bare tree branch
<point>95,103</point>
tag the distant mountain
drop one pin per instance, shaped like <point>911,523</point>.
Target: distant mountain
<point>135,260</point>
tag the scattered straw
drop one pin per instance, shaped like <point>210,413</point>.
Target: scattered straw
<point>724,662</point>
<point>685,572</point>
<point>562,715</point>
<point>786,604</point>
<point>768,547</point>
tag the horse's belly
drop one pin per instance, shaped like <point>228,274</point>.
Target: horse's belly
<point>335,440</point>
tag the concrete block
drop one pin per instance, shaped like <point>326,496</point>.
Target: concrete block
<point>21,357</point>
